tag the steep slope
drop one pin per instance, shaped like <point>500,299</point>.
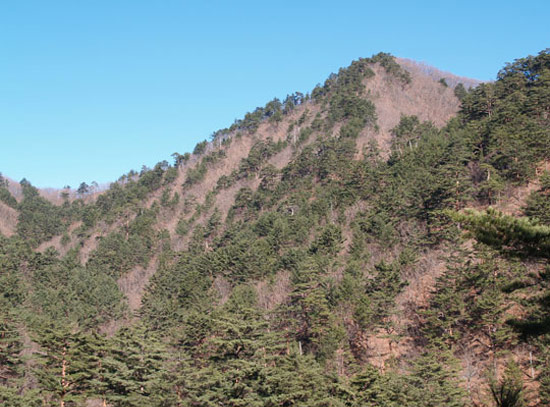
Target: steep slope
<point>393,99</point>
<point>422,96</point>
<point>311,254</point>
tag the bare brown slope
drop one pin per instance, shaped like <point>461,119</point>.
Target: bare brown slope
<point>8,220</point>
<point>424,97</point>
<point>424,69</point>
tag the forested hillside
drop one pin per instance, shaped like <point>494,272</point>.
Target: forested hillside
<point>380,241</point>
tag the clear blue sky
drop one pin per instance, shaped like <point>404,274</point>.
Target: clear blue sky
<point>92,89</point>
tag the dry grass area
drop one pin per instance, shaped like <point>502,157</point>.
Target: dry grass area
<point>423,97</point>
<point>8,220</point>
<point>133,283</point>
<point>421,279</point>
<point>512,201</point>
<point>422,68</point>
<point>273,292</point>
<point>55,242</point>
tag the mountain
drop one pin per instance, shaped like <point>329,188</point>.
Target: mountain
<point>381,240</point>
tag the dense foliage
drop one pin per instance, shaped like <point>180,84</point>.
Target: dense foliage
<point>290,297</point>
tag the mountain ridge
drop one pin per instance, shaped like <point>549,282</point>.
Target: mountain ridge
<point>417,67</point>
<point>392,107</point>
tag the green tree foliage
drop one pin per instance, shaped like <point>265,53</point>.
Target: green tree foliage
<point>433,380</point>
<point>388,62</point>
<point>14,254</point>
<point>39,220</point>
<point>257,157</point>
<point>127,194</point>
<point>538,203</point>
<point>118,252</point>
<point>509,391</point>
<point>68,292</point>
<point>198,172</point>
<point>180,159</point>
<point>175,290</point>
<point>503,232</point>
<point>133,372</point>
<point>83,189</point>
<point>11,362</point>
<point>200,147</point>
<point>5,194</point>
<point>12,397</point>
<point>275,304</point>
<point>509,117</point>
<point>4,183</point>
<point>460,91</point>
<point>456,311</point>
<point>65,367</point>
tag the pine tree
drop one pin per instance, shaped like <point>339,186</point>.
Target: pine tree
<point>447,315</point>
<point>310,318</point>
<point>132,371</point>
<point>13,391</point>
<point>434,381</point>
<point>509,391</point>
<point>518,236</point>
<point>10,348</point>
<point>371,388</point>
<point>66,364</point>
<point>538,203</point>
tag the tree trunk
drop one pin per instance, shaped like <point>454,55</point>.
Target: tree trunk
<point>63,377</point>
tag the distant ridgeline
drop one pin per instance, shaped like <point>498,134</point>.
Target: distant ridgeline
<point>381,241</point>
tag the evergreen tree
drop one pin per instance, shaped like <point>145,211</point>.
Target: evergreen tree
<point>516,235</point>
<point>538,203</point>
<point>508,392</point>
<point>66,366</point>
<point>133,372</point>
<point>11,345</point>
<point>434,381</point>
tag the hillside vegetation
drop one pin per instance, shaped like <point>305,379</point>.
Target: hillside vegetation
<point>380,241</point>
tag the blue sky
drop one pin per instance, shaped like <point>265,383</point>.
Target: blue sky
<point>92,89</point>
